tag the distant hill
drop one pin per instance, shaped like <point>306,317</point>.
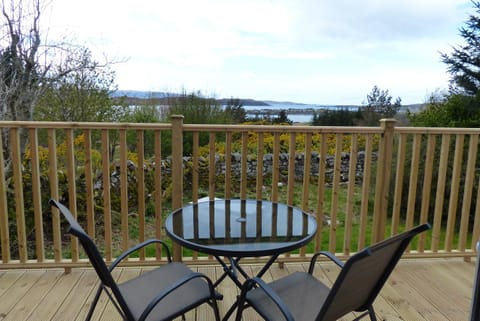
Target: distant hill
<point>136,97</point>
<point>244,102</point>
<point>141,94</point>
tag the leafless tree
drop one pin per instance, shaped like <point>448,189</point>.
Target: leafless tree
<point>28,64</point>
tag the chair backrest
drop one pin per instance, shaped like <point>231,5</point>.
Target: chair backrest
<point>364,275</point>
<point>88,245</point>
<point>475,304</point>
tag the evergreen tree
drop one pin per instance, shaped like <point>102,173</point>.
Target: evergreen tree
<point>235,109</point>
<point>464,62</point>
<point>379,105</point>
<point>282,118</point>
<point>458,108</point>
<point>338,117</point>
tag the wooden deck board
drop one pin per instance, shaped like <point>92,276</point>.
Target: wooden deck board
<point>34,296</point>
<point>76,300</point>
<point>55,298</point>
<point>419,289</point>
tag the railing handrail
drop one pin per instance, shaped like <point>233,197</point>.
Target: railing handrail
<point>394,146</point>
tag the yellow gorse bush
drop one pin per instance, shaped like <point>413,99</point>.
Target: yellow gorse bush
<point>61,153</point>
<point>284,143</point>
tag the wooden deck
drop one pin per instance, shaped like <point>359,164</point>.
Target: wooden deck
<point>419,289</point>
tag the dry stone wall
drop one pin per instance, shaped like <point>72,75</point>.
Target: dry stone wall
<point>284,160</point>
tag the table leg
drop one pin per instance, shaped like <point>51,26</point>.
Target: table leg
<point>267,265</point>
<point>230,271</point>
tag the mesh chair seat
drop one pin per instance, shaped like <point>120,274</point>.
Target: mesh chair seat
<point>301,292</point>
<point>147,286</point>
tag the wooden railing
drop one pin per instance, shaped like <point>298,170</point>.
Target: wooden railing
<point>362,184</point>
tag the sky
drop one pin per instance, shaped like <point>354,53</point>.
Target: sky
<point>305,51</point>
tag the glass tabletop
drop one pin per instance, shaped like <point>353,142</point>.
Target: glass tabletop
<point>239,228</point>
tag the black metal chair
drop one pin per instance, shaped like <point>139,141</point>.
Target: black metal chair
<point>302,297</point>
<point>164,293</point>
<point>475,304</point>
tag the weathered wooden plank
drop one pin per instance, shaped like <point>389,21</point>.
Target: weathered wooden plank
<point>124,189</point>
<point>418,289</point>
<point>33,299</point>
<point>77,301</point>
<point>8,279</point>
<point>55,298</point>
<point>211,165</point>
<point>440,197</point>
<point>89,196</point>
<point>412,187</point>
<point>18,291</point>
<point>332,243</point>
<point>72,187</point>
<point>468,191</point>
<point>36,195</point>
<point>4,230</point>
<point>440,287</point>
<point>228,166</point>
<point>19,199</point>
<point>364,210</point>
<point>141,190</point>
<point>276,166</point>
<point>259,179</point>
<point>291,168</point>
<point>454,192</point>
<point>243,175</point>
<point>54,194</point>
<point>321,192</point>
<point>349,213</point>
<point>399,177</point>
<point>158,191</point>
<point>398,294</point>
<point>426,192</point>
<point>107,204</point>
<point>306,172</point>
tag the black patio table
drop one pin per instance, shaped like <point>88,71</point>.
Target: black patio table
<point>240,228</point>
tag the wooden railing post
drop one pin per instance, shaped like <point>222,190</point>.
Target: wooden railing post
<point>4,231</point>
<point>19,197</point>
<point>383,179</point>
<point>177,173</point>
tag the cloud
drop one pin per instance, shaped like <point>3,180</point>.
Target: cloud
<point>309,48</point>
<point>373,20</point>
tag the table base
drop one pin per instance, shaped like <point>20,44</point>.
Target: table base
<point>231,271</point>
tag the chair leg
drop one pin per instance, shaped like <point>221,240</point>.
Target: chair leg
<point>240,307</point>
<point>371,312</point>
<point>94,303</point>
<point>238,317</point>
<point>216,312</point>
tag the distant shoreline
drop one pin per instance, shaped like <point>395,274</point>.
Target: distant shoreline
<point>135,97</point>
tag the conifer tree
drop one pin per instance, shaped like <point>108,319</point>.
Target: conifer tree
<point>464,62</point>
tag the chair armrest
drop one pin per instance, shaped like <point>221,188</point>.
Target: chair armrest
<point>137,248</point>
<point>250,283</point>
<point>329,255</point>
<point>172,288</point>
